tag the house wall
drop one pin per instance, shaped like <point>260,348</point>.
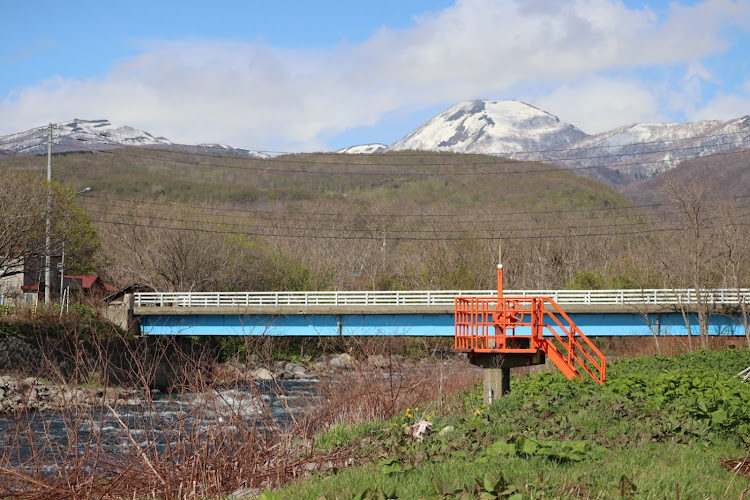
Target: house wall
<point>25,272</point>
<point>10,286</point>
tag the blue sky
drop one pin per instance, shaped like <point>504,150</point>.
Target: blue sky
<point>310,76</point>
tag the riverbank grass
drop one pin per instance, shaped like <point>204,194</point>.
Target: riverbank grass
<point>660,428</point>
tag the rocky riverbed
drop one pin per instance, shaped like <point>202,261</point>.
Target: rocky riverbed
<point>256,369</point>
<point>32,394</point>
<point>25,373</point>
<point>19,393</point>
<point>327,365</point>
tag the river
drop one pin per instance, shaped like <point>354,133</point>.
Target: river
<point>34,440</point>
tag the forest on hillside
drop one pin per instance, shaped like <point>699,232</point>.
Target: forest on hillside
<point>409,220</point>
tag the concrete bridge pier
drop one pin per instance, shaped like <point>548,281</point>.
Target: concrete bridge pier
<point>496,370</point>
<point>123,315</point>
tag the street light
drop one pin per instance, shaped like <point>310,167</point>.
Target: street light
<point>48,252</point>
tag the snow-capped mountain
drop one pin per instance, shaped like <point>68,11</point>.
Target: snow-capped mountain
<point>517,130</point>
<point>78,135</point>
<point>505,128</point>
<point>491,127</point>
<point>364,149</point>
<point>99,135</point>
<point>645,149</point>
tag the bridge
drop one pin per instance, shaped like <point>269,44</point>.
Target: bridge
<point>424,313</point>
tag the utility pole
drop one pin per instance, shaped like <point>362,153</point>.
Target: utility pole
<point>48,235</point>
<point>62,261</point>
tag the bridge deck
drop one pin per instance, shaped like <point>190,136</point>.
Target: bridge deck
<point>597,312</point>
<point>432,298</point>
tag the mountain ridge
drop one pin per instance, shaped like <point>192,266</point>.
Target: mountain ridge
<point>512,129</point>
<point>97,135</point>
<point>490,127</point>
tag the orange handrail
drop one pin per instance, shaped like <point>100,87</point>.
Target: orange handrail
<point>503,324</point>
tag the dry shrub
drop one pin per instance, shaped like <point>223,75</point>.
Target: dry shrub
<point>382,384</point>
<point>210,438</point>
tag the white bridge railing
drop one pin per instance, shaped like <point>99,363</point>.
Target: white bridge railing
<point>434,297</point>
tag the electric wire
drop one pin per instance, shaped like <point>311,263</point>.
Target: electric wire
<point>303,231</point>
<point>384,215</point>
<point>379,236</point>
<point>249,220</point>
<point>499,161</point>
<point>474,217</point>
<point>491,153</point>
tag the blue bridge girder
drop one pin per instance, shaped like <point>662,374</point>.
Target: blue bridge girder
<point>425,313</point>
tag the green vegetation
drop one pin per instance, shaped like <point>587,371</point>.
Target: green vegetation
<point>422,178</point>
<point>410,220</point>
<point>659,428</point>
<point>47,323</point>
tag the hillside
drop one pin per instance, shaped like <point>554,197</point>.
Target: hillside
<point>728,174</point>
<point>387,221</point>
<point>331,221</point>
<point>507,129</point>
<point>425,180</point>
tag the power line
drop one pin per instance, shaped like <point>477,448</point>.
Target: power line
<point>491,153</point>
<point>303,232</point>
<point>286,215</point>
<point>472,225</point>
<point>379,236</point>
<point>390,230</point>
<point>410,174</point>
<point>473,219</point>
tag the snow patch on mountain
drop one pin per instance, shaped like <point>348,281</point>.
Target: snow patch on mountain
<point>645,149</point>
<point>101,135</point>
<point>364,149</point>
<point>520,131</point>
<point>491,127</point>
<point>78,135</point>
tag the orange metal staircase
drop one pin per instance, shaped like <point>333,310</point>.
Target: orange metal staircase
<point>518,325</point>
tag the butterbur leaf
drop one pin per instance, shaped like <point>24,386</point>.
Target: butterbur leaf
<point>390,466</point>
<point>574,456</point>
<point>494,481</point>
<point>364,495</point>
<point>271,495</point>
<point>718,417</point>
<point>501,448</point>
<point>390,494</point>
<point>579,446</point>
<point>443,489</point>
<point>526,446</point>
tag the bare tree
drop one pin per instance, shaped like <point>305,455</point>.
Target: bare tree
<point>164,251</point>
<point>23,215</point>
<point>22,220</point>
<point>690,257</point>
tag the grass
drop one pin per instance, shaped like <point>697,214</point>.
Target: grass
<point>659,428</point>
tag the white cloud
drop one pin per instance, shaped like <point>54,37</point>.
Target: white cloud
<point>599,104</point>
<point>257,96</point>
<point>724,107</point>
